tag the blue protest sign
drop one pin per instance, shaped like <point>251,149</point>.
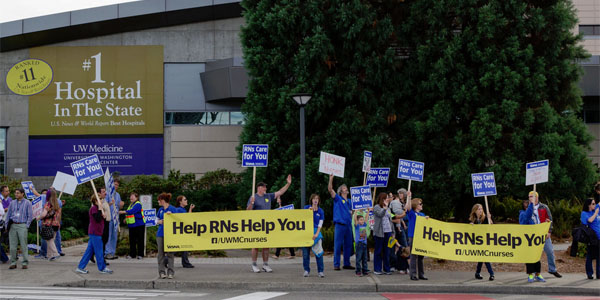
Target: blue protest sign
<point>28,187</point>
<point>378,177</point>
<point>87,169</point>
<point>150,215</point>
<point>484,184</point>
<point>361,197</point>
<point>287,207</point>
<point>255,155</point>
<point>410,170</point>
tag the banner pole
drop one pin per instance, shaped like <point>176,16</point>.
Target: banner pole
<point>37,229</point>
<point>487,209</point>
<point>534,187</point>
<point>144,240</point>
<point>409,182</point>
<point>253,181</point>
<point>365,179</point>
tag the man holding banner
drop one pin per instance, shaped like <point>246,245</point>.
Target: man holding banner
<point>342,218</point>
<point>262,201</point>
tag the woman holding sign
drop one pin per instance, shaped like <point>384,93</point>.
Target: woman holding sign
<point>317,248</point>
<point>416,261</point>
<point>50,217</point>
<point>477,216</point>
<point>181,203</point>
<point>382,231</point>
<point>590,216</point>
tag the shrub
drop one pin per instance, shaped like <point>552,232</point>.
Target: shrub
<point>565,215</point>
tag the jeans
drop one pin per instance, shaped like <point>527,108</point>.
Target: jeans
<point>593,252</point>
<point>488,266</point>
<point>416,263</point>
<point>16,236</point>
<point>306,260</point>
<point>342,236</point>
<point>361,258</point>
<point>549,250</point>
<point>381,256</point>
<point>111,245</point>
<point>3,256</point>
<point>94,247</point>
<point>170,261</point>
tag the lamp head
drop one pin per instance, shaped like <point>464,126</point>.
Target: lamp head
<point>301,99</point>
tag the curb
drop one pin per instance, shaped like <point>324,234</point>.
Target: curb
<point>336,287</point>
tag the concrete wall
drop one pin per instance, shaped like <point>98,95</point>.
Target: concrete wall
<point>196,42</point>
<point>588,12</point>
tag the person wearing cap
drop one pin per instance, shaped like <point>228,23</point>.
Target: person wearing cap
<point>262,201</point>
<point>546,216</point>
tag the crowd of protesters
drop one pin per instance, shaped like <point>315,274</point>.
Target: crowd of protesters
<point>394,217</point>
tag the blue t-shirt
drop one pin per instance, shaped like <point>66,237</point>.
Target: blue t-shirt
<point>180,210</point>
<point>160,216</point>
<point>412,218</point>
<point>360,233</point>
<point>342,213</point>
<point>318,217</point>
<point>594,225</point>
<point>262,202</point>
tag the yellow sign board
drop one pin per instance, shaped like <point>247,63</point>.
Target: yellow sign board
<point>479,243</point>
<point>238,230</point>
<point>29,77</point>
<point>100,90</point>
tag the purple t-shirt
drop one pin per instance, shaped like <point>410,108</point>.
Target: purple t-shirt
<point>6,202</point>
<point>95,228</point>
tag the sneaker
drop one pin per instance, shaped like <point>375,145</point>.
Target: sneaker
<point>530,278</point>
<point>39,256</point>
<point>387,273</point>
<point>82,271</point>
<point>377,273</point>
<point>540,278</point>
<point>478,276</point>
<point>392,269</point>
<point>106,271</point>
<point>365,273</point>
<point>267,269</point>
<point>255,269</point>
<point>359,274</point>
<point>139,257</point>
<point>54,258</point>
<point>321,275</point>
<point>128,257</point>
<point>492,277</point>
<point>403,272</point>
<point>170,276</point>
<point>163,275</point>
<point>305,274</point>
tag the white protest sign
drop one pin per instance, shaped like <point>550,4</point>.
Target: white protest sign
<point>367,161</point>
<point>536,172</point>
<point>109,183</point>
<point>69,182</point>
<point>146,201</point>
<point>332,164</point>
<point>28,187</point>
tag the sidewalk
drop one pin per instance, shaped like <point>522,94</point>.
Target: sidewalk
<point>233,273</point>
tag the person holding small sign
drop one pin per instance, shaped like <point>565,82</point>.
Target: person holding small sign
<point>382,231</point>
<point>342,219</point>
<point>317,248</point>
<point>51,215</point>
<point>95,246</point>
<point>136,223</point>
<point>262,201</point>
<point>477,216</point>
<point>416,261</point>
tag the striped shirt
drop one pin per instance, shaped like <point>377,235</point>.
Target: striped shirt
<point>20,211</point>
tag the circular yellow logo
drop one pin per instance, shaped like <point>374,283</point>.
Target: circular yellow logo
<point>29,77</point>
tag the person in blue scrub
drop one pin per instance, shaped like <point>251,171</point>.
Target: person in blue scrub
<point>342,219</point>
<point>180,205</point>
<point>590,216</point>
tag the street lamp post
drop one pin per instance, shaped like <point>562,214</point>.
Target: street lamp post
<point>302,99</point>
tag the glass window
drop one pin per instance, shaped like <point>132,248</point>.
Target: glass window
<point>217,118</point>
<point>2,151</point>
<point>589,29</point>
<point>237,118</point>
<point>185,118</point>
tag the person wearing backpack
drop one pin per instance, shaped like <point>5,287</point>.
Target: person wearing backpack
<point>590,217</point>
<point>134,218</point>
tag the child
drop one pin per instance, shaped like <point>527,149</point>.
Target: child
<point>360,239</point>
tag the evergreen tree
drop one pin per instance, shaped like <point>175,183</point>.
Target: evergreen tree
<point>465,86</point>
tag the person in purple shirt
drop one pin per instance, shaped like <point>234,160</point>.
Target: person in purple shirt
<point>95,246</point>
<point>20,214</point>
<point>590,216</point>
<point>342,218</point>
<point>180,205</point>
<point>5,198</point>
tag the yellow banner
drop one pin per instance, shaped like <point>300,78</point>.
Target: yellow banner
<point>99,90</point>
<point>479,243</point>
<point>238,230</point>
